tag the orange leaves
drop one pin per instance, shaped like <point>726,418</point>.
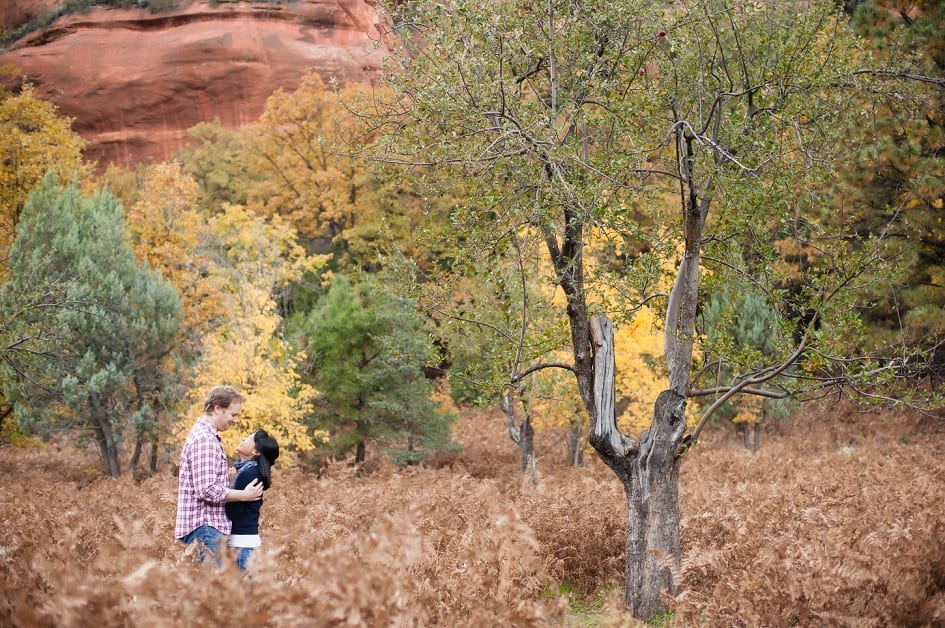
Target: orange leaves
<point>303,139</point>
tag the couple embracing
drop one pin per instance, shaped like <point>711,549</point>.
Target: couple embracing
<point>214,501</point>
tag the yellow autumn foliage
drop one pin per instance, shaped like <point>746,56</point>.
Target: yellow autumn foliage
<point>640,370</point>
<point>254,257</point>
<point>301,138</point>
<point>749,409</point>
<point>33,139</point>
<point>552,397</point>
<point>166,229</point>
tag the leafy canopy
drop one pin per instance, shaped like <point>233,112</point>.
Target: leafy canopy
<point>33,139</point>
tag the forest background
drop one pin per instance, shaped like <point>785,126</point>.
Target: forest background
<point>274,259</point>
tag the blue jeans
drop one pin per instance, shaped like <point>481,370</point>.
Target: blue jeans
<point>209,538</point>
<point>242,558</point>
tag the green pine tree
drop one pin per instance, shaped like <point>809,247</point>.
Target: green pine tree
<point>742,331</point>
<point>898,178</point>
<point>368,350</point>
<point>85,329</point>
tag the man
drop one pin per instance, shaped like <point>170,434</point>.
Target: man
<point>203,488</point>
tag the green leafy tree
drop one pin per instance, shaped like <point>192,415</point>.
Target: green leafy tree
<point>367,352</point>
<point>503,294</point>
<point>898,177</point>
<point>33,139</point>
<point>740,331</point>
<point>221,163</point>
<point>85,327</point>
<point>165,229</point>
<point>575,119</point>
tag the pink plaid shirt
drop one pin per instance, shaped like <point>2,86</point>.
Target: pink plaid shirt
<point>202,482</point>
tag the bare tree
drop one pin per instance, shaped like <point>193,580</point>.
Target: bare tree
<point>574,123</point>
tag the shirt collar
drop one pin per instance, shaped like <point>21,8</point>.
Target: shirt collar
<point>210,426</point>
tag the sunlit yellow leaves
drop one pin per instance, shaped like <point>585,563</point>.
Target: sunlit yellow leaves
<point>638,347</point>
<point>749,410</point>
<point>33,139</point>
<point>553,397</point>
<point>243,355</point>
<point>641,371</point>
<point>252,258</point>
<point>166,231</point>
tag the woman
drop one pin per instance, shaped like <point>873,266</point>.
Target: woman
<point>257,452</point>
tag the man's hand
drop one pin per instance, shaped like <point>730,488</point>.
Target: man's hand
<point>253,491</point>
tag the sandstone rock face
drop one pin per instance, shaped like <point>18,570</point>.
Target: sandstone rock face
<point>16,12</point>
<point>135,81</point>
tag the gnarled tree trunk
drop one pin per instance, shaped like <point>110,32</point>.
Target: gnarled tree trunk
<point>649,473</point>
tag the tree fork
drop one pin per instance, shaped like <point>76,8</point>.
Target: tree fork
<point>649,473</point>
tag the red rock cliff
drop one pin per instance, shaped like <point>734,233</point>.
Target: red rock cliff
<point>13,13</point>
<point>135,81</point>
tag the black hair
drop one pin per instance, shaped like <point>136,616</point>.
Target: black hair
<point>268,450</point>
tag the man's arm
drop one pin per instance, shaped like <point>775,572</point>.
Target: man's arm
<point>252,493</point>
<point>243,486</point>
<point>210,483</point>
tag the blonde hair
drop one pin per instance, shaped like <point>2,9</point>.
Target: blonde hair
<point>221,396</point>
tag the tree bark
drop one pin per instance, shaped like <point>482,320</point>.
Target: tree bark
<point>526,443</point>
<point>575,445</point>
<point>649,473</point>
<point>654,554</point>
<point>104,435</point>
<point>136,454</point>
<point>523,435</point>
<point>107,447</point>
<point>154,455</point>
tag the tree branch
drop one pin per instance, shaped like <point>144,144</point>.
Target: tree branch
<point>763,376</point>
<point>920,78</point>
